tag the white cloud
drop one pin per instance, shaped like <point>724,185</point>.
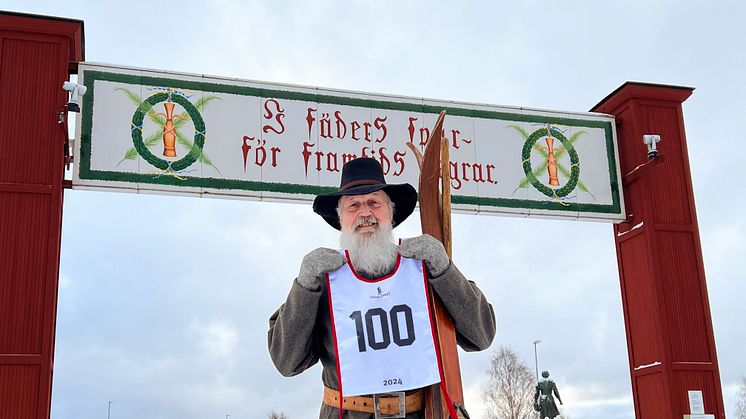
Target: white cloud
<point>723,243</point>
<point>216,337</point>
<point>65,281</point>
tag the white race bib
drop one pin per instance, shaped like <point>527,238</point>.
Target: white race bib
<point>383,330</point>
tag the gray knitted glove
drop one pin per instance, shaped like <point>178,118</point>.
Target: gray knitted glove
<point>427,248</point>
<point>315,264</point>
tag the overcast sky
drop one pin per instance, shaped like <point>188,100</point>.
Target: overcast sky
<point>164,300</point>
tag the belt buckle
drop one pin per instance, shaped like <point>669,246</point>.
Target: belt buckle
<point>377,405</point>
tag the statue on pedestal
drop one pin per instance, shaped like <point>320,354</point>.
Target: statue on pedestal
<point>543,400</point>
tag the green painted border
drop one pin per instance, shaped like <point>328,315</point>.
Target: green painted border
<point>85,172</point>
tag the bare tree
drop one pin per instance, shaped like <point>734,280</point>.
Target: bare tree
<point>276,415</point>
<point>741,400</point>
<point>510,390</point>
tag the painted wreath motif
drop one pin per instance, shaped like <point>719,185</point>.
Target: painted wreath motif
<point>574,162</point>
<point>199,132</point>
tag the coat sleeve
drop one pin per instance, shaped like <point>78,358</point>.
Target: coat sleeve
<point>291,338</point>
<point>473,317</point>
<point>556,392</point>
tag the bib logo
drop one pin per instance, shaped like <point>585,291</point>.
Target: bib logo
<point>168,126</point>
<point>381,294</point>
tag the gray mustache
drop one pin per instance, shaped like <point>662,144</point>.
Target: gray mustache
<point>366,220</point>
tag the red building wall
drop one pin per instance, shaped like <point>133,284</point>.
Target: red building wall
<point>667,313</point>
<point>35,53</point>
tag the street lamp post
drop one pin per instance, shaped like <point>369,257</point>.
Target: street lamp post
<point>108,411</point>
<point>536,359</point>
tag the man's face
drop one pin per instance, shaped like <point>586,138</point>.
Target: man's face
<point>364,213</point>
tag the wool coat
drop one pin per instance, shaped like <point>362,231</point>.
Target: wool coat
<point>300,331</point>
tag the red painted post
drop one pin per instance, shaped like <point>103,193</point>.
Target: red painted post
<point>35,55</point>
<point>670,339</point>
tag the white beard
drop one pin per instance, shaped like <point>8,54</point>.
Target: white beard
<point>372,253</point>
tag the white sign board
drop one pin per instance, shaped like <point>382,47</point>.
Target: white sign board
<point>696,402</point>
<point>150,131</point>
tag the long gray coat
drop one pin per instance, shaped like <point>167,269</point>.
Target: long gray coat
<point>300,331</point>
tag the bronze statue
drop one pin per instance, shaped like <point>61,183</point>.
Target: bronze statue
<point>543,400</point>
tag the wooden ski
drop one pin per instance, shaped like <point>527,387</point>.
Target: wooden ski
<point>435,219</point>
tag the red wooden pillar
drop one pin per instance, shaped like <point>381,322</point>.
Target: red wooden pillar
<point>666,309</point>
<point>35,52</point>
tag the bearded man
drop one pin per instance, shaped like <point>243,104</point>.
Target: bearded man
<point>373,289</point>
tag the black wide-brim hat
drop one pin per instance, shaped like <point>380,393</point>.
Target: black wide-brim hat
<point>363,176</point>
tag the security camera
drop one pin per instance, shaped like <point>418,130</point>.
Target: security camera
<point>651,140</point>
<point>76,93</point>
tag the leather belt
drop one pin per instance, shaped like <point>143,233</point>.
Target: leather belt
<point>387,405</point>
